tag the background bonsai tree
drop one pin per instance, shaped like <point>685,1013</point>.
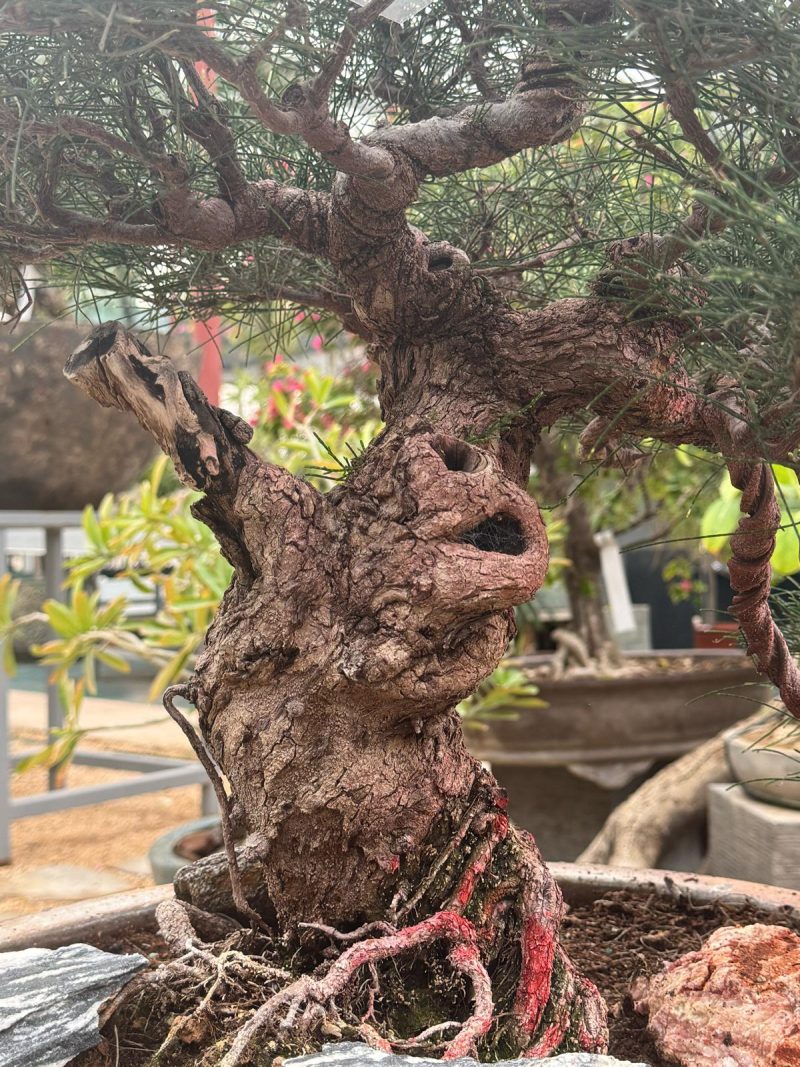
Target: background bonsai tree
<point>656,494</point>
<point>427,186</point>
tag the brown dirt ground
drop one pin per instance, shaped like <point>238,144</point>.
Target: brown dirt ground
<point>103,837</point>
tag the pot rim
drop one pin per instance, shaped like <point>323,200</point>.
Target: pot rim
<point>579,883</point>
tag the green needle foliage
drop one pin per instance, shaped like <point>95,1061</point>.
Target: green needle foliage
<point>630,170</point>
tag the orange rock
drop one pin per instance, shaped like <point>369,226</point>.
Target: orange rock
<point>733,1003</point>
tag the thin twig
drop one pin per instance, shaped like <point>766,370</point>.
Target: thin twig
<point>215,776</point>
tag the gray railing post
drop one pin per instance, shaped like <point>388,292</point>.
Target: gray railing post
<point>5,758</point>
<point>53,579</point>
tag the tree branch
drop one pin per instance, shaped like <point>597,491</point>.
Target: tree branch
<point>579,354</point>
<point>248,503</point>
<point>16,126</point>
<point>476,49</point>
<point>206,444</point>
<point>337,304</point>
<point>680,95</point>
<point>536,262</point>
<point>266,208</point>
<point>545,107</point>
<point>299,114</point>
<point>332,66</point>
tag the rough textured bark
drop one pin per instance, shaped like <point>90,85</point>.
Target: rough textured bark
<point>354,623</point>
<point>356,620</point>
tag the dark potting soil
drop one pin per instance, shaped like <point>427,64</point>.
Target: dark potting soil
<point>622,935</point>
<point>611,940</point>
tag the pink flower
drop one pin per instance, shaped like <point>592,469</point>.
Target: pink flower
<point>299,316</point>
<point>648,180</point>
<point>317,342</point>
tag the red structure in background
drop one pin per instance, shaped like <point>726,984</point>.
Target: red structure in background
<point>205,335</point>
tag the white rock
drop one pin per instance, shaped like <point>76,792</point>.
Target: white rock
<point>49,999</point>
<point>352,1054</point>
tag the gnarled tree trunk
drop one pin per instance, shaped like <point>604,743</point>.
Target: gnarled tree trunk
<point>326,692</point>
<point>356,620</point>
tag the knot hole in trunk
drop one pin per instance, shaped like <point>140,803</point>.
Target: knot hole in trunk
<point>443,256</point>
<point>498,533</point>
<point>459,456</point>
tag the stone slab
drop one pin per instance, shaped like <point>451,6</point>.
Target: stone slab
<point>353,1054</point>
<point>751,839</point>
<point>49,1000</point>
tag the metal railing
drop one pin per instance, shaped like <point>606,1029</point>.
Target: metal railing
<point>151,773</point>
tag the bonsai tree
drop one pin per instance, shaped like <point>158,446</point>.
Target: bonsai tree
<point>426,185</point>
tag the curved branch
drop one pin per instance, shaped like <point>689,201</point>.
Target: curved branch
<point>585,354</point>
<point>300,113</point>
<point>488,133</point>
<point>265,208</point>
<point>248,503</point>
<point>750,569</point>
<point>545,107</point>
<point>578,354</point>
<point>76,126</point>
<point>751,580</point>
<point>337,304</point>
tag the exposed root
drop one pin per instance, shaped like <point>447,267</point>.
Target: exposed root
<point>182,925</point>
<point>305,1000</point>
<point>483,932</point>
<point>352,935</point>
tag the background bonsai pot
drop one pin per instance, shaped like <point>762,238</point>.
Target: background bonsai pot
<point>187,842</point>
<point>568,765</point>
<point>711,635</point>
<point>765,760</point>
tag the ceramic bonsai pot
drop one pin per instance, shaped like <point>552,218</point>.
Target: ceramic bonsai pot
<point>123,913</point>
<point>765,760</point>
<point>566,766</point>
